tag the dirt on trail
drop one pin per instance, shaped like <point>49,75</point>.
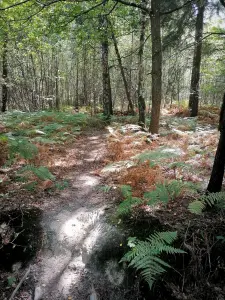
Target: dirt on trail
<point>78,249</point>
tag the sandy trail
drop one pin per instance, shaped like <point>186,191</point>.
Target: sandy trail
<point>73,229</point>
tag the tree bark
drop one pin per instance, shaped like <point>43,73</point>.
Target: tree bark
<point>76,102</point>
<point>4,75</point>
<point>85,81</point>
<point>222,2</point>
<point>156,66</point>
<point>141,100</point>
<point>195,73</point>
<point>127,91</point>
<point>216,179</point>
<point>107,94</point>
<point>57,99</point>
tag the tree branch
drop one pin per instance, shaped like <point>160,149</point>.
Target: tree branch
<point>132,4</point>
<point>178,8</point>
<point>218,33</point>
<point>14,5</point>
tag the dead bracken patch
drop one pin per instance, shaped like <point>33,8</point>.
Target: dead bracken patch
<point>141,178</point>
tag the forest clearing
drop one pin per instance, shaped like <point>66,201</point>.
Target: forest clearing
<point>112,142</point>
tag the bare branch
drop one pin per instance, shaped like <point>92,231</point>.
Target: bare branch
<point>132,4</point>
<point>177,8</point>
<point>14,5</point>
<point>112,9</point>
<point>217,33</point>
<point>19,284</point>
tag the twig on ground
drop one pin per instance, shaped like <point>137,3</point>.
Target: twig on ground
<point>19,284</point>
<point>22,216</point>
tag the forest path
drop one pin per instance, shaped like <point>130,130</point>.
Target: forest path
<point>74,226</point>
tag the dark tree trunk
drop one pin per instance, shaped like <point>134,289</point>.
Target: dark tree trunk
<point>107,94</point>
<point>216,179</point>
<point>195,73</point>
<point>156,66</point>
<point>127,91</point>
<point>141,100</point>
<point>4,76</point>
<point>222,2</point>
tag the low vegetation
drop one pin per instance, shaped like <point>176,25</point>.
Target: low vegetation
<point>176,230</point>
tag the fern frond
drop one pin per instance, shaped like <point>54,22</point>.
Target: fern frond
<point>144,255</point>
<point>126,191</point>
<point>196,207</point>
<point>22,147</point>
<point>126,206</point>
<point>160,154</point>
<point>213,199</point>
<point>41,172</point>
<point>162,237</point>
<point>162,193</point>
<point>165,192</point>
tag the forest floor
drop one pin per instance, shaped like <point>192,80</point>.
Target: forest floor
<point>71,234</point>
<point>72,241</point>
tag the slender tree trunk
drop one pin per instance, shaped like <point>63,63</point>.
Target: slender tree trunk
<point>130,77</point>
<point>141,100</point>
<point>156,66</point>
<point>94,81</point>
<point>76,104</point>
<point>127,91</point>
<point>107,94</point>
<point>4,75</point>
<point>195,73</point>
<point>57,100</point>
<point>216,179</point>
<point>85,82</point>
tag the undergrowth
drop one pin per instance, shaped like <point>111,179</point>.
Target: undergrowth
<point>32,139</point>
<point>211,200</point>
<point>144,256</point>
<point>141,177</point>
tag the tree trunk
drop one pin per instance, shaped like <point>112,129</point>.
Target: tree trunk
<point>85,81</point>
<point>76,102</point>
<point>107,95</point>
<point>156,66</point>
<point>216,179</point>
<point>222,2</point>
<point>141,100</point>
<point>195,73</point>
<point>57,100</point>
<point>127,91</point>
<point>4,75</point>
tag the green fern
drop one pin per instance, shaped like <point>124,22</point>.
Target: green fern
<point>160,154</point>
<point>126,206</point>
<point>42,140</point>
<point>126,191</point>
<point>196,207</point>
<point>164,192</point>
<point>144,255</point>
<point>22,147</point>
<point>41,172</point>
<point>213,199</point>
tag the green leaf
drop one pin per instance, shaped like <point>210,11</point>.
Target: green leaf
<point>11,280</point>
